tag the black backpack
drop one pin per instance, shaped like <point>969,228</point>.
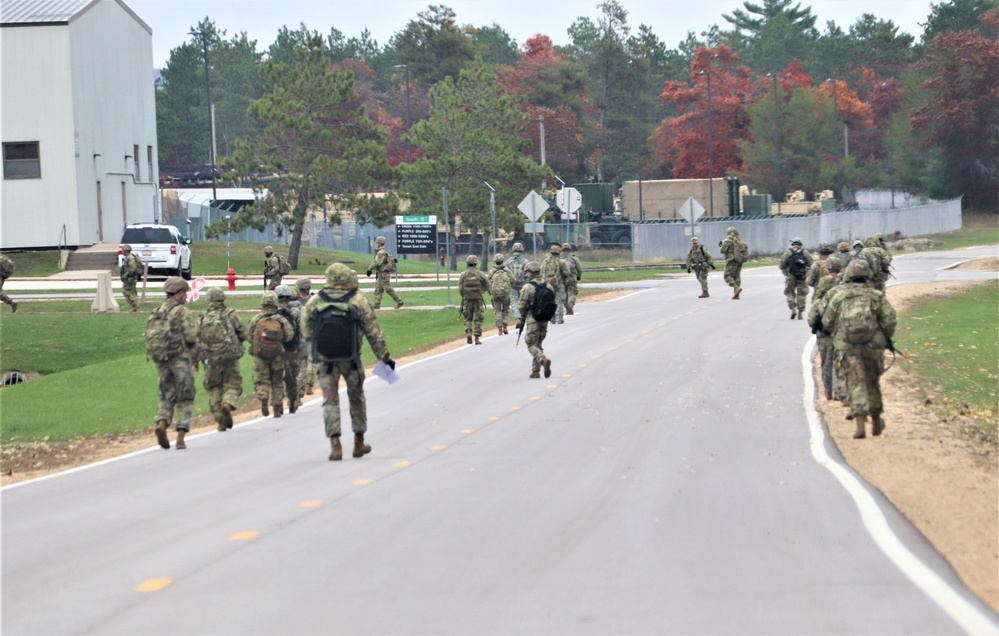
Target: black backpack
<point>293,344</point>
<point>336,336</point>
<point>543,307</point>
<point>798,265</point>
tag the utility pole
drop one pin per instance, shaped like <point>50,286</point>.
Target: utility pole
<point>211,113</point>
<point>409,144</point>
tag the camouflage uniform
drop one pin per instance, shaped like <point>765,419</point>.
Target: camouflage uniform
<point>534,330</point>
<point>272,268</point>
<point>498,293</point>
<point>698,261</point>
<point>176,375</point>
<point>223,381</point>
<point>795,289</point>
<point>817,270</point>
<point>556,272</point>
<point>827,353</point>
<point>879,259</point>
<point>516,264</point>
<point>291,310</point>
<point>341,280</point>
<point>733,266</point>
<point>863,363</point>
<point>268,374</point>
<point>306,370</point>
<point>132,268</point>
<point>382,266</point>
<point>572,282</point>
<point>473,310</point>
<point>6,269</point>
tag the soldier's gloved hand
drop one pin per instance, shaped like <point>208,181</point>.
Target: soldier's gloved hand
<point>688,270</point>
<point>389,361</point>
<point>368,272</point>
<point>712,266</point>
<point>519,325</point>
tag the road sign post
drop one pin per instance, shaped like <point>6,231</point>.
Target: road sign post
<point>533,207</point>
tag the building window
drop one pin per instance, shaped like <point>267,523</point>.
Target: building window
<point>135,162</point>
<point>149,161</point>
<point>21,160</point>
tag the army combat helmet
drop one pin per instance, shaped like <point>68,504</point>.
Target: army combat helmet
<point>268,250</point>
<point>175,284</point>
<point>797,241</point>
<point>304,285</point>
<point>380,240</point>
<point>269,299</point>
<point>340,276</point>
<point>283,292</point>
<point>533,266</point>
<point>517,247</point>
<point>126,249</point>
<point>858,269</point>
<point>555,249</point>
<point>215,295</point>
<point>472,260</point>
<point>499,258</point>
<point>566,247</point>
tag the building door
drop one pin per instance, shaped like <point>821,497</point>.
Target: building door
<point>100,215</point>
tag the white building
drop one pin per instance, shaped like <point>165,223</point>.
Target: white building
<point>77,121</point>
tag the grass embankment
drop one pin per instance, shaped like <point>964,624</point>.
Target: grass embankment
<point>953,345</point>
<point>977,228</point>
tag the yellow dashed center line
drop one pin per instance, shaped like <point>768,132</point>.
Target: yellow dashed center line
<point>402,464</point>
<point>246,534</point>
<point>515,408</point>
<point>630,340</point>
<point>582,364</point>
<point>595,355</point>
<point>362,482</point>
<point>438,447</point>
<point>494,418</point>
<point>644,332</point>
<point>153,585</point>
<point>312,503</point>
<point>569,375</point>
<point>535,397</point>
<point>468,431</point>
<point>552,386</point>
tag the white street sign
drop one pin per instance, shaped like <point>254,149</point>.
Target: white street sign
<point>691,210</point>
<point>533,206</point>
<point>569,199</point>
<point>534,228</point>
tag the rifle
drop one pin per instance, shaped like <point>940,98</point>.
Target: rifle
<point>520,330</point>
<point>891,347</point>
<point>265,275</point>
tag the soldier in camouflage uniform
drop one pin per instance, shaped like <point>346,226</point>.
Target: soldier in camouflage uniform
<point>289,308</point>
<point>6,270</point>
<point>500,283</point>
<point>176,375</point>
<point>306,370</point>
<point>556,272</point>
<point>855,308</point>
<point>221,335</point>
<point>729,248</point>
<point>536,330</point>
<point>272,268</point>
<point>698,261</point>
<point>879,260</point>
<point>817,269</point>
<point>383,266</point>
<point>795,287</point>
<point>268,373</point>
<point>827,353</point>
<point>571,283</point>
<point>471,285</point>
<point>516,264</point>
<point>341,281</point>
<point>131,271</point>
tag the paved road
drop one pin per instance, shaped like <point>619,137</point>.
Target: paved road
<point>668,478</point>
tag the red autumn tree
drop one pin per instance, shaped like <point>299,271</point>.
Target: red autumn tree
<point>680,144</point>
<point>960,114</point>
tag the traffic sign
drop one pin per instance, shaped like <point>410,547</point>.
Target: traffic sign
<point>533,206</point>
<point>534,228</point>
<point>691,210</point>
<point>569,200</point>
<point>416,234</point>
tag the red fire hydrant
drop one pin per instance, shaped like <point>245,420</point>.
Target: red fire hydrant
<point>231,277</point>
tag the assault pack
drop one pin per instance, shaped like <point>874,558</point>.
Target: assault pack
<point>6,266</point>
<point>471,286</point>
<point>499,282</point>
<point>336,337</point>
<point>741,248</point>
<point>798,264</point>
<point>163,342</point>
<point>516,266</point>
<point>267,338</point>
<point>217,339</point>
<point>284,267</point>
<point>543,306</point>
<point>856,322</point>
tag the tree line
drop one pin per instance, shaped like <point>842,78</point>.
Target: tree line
<point>328,120</point>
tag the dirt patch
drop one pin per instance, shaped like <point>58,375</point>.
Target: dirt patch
<point>946,484</point>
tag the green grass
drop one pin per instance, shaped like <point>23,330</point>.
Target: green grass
<point>209,258</point>
<point>39,263</point>
<point>978,228</point>
<point>953,345</point>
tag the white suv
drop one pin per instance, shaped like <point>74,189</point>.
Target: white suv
<point>161,247</point>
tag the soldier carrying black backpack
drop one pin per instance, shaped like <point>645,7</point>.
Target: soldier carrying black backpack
<point>335,321</point>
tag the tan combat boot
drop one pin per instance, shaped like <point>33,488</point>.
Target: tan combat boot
<point>263,407</point>
<point>336,451</point>
<point>794,313</point>
<point>400,304</point>
<point>227,410</point>
<point>738,290</point>
<point>161,434</point>
<point>536,373</point>
<point>704,294</point>
<point>861,427</point>
<point>547,364</point>
<point>292,405</point>
<point>801,314</point>
<point>180,440</point>
<point>468,336</point>
<point>877,422</point>
<point>13,306</point>
<point>360,448</point>
<point>477,341</point>
<point>279,408</point>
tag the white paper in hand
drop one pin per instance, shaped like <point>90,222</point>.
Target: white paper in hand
<point>385,372</point>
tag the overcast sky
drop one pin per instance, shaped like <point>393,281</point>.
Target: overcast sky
<point>670,19</point>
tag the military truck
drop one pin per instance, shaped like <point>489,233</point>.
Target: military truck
<point>602,226</point>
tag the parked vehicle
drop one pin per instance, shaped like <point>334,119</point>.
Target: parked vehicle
<point>161,247</point>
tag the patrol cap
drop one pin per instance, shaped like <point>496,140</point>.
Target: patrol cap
<point>499,258</point>
<point>555,249</point>
<point>303,284</point>
<point>268,250</point>
<point>269,299</point>
<point>518,247</point>
<point>126,248</point>
<point>215,295</point>
<point>857,269</point>
<point>175,284</point>
<point>283,291</point>
<point>472,260</point>
<point>533,266</point>
<point>339,275</point>
<point>566,247</point>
